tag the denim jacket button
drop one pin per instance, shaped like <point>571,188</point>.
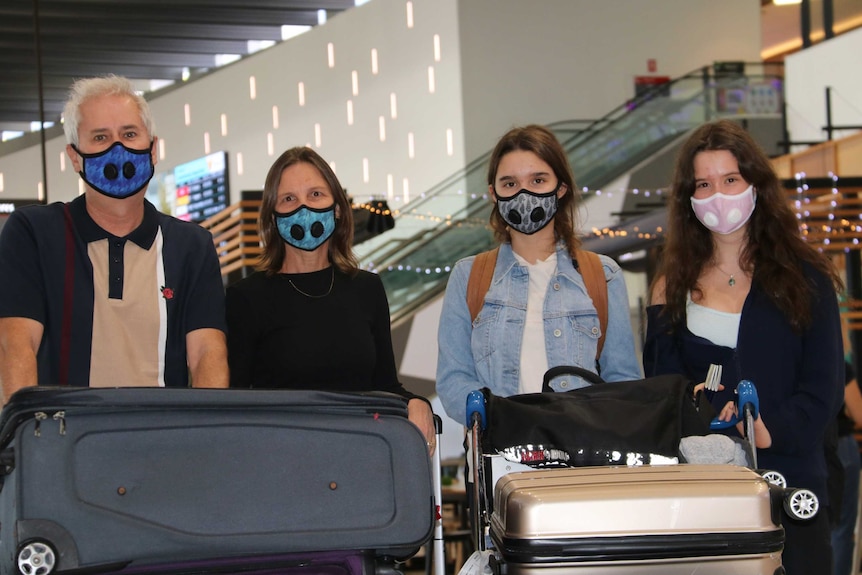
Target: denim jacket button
<point>564,384</point>
<point>557,333</point>
<point>556,286</point>
<point>595,331</point>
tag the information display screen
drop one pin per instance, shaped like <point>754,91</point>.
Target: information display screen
<point>201,187</point>
<point>193,191</point>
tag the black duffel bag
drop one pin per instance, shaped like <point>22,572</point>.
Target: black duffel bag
<point>646,416</point>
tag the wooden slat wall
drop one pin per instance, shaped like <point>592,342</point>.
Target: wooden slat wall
<point>840,157</point>
<point>235,235</point>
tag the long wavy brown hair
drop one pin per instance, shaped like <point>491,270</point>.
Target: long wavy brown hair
<point>542,142</point>
<point>774,251</point>
<point>340,243</point>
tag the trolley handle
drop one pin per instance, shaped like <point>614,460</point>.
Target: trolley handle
<point>747,403</point>
<point>476,412</point>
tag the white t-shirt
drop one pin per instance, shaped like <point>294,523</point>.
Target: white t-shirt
<point>534,359</point>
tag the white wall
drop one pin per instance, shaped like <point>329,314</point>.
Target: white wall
<point>404,56</point>
<point>834,63</point>
<point>502,62</point>
<point>544,61</point>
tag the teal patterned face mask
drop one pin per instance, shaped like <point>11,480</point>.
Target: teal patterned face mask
<point>306,228</point>
<point>528,212</point>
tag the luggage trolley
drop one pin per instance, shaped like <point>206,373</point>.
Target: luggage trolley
<point>625,512</point>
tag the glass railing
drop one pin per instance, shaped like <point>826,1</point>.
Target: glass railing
<point>449,221</point>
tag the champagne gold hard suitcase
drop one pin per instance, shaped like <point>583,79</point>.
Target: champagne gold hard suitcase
<point>650,520</point>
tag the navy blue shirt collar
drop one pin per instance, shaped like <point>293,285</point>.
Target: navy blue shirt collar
<point>144,235</point>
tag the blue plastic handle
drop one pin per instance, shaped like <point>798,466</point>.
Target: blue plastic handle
<point>746,401</point>
<point>476,409</point>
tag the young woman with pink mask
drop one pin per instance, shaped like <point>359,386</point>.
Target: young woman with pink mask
<point>739,287</point>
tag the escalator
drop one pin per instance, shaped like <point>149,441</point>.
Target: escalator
<point>449,221</point>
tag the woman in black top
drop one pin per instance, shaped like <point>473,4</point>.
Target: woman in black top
<point>310,318</point>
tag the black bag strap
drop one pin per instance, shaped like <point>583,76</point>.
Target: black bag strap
<point>588,375</point>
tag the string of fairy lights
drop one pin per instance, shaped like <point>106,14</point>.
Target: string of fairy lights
<point>432,218</point>
<point>829,218</point>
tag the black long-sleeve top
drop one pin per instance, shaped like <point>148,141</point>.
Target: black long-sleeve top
<point>340,340</point>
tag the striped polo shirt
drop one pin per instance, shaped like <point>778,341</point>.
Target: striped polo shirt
<point>116,311</point>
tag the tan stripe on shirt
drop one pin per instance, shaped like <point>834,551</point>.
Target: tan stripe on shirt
<point>125,331</point>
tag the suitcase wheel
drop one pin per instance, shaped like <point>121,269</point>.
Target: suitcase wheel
<point>36,558</point>
<point>775,478</point>
<point>801,504</point>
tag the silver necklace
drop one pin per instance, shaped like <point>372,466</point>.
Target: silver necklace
<point>731,282</point>
<point>329,291</point>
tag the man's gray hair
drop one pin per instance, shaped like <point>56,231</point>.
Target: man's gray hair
<point>83,90</point>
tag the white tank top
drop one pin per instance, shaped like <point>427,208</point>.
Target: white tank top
<point>719,327</point>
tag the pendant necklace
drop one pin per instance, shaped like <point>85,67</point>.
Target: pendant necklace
<point>731,282</point>
<point>329,291</point>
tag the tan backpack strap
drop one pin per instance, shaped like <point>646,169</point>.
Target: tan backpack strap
<point>480,280</point>
<point>591,270</point>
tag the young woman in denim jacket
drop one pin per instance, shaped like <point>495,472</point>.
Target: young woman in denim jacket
<point>536,314</point>
<point>739,287</point>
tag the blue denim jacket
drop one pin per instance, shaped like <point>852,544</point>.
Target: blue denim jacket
<point>487,352</point>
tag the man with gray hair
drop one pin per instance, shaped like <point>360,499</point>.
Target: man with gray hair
<point>105,291</point>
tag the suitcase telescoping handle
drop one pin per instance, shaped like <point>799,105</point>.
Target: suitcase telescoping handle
<point>477,422</point>
<point>438,555</point>
<point>586,374</point>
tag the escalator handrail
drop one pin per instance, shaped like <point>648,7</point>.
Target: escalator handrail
<point>594,128</point>
<point>632,104</point>
<point>418,245</point>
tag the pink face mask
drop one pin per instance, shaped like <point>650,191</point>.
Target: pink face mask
<point>724,214</point>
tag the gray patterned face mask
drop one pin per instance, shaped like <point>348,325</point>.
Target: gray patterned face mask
<point>527,211</point>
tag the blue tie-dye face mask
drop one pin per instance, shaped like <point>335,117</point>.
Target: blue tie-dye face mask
<point>306,228</point>
<point>118,172</point>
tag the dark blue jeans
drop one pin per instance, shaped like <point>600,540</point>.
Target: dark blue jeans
<point>843,540</point>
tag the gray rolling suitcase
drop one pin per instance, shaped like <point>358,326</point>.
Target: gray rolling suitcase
<point>673,519</point>
<point>105,480</point>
